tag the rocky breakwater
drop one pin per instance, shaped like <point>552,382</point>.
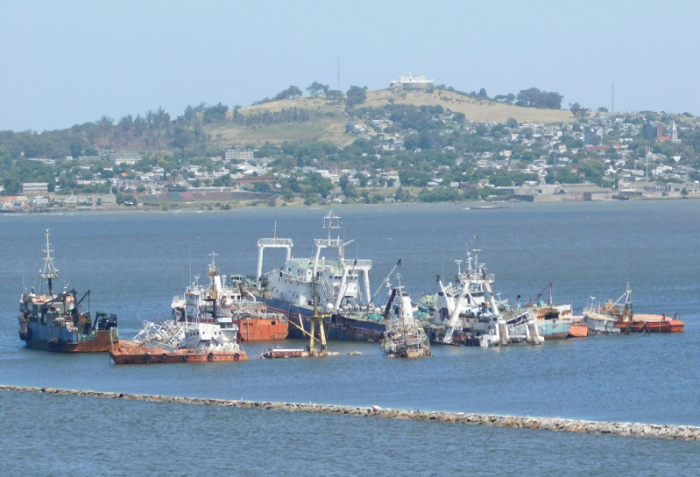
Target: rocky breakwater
<point>688,433</point>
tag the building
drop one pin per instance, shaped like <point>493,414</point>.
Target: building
<point>233,154</point>
<point>35,188</point>
<point>128,158</point>
<point>411,82</point>
<point>650,131</point>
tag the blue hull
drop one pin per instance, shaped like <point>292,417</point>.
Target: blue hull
<point>338,327</point>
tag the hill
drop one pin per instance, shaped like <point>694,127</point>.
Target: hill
<point>327,121</point>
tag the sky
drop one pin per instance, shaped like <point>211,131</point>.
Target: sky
<point>66,62</point>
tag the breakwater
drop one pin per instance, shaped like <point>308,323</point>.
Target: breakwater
<point>663,431</point>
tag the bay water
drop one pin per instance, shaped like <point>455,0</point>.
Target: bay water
<point>134,262</point>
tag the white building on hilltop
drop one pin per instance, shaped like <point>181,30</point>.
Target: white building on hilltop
<point>411,82</point>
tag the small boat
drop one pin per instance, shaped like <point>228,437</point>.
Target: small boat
<point>56,322</point>
<point>578,330</point>
<point>404,337</point>
<point>617,316</point>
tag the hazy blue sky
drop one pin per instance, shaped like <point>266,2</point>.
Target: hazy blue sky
<point>68,62</point>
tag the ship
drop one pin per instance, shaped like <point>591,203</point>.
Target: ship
<point>338,286</point>
<point>468,313</point>
<point>56,321</point>
<point>553,321</point>
<point>181,342</point>
<point>618,316</point>
<point>226,296</point>
<point>404,337</point>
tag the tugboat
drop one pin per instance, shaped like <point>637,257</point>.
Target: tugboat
<point>227,297</point>
<point>55,322</point>
<point>404,337</point>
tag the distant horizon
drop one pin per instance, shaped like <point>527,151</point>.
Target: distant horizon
<point>75,62</point>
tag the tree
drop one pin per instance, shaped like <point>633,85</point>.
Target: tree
<point>684,193</point>
<point>215,113</point>
<point>482,94</point>
<point>602,110</point>
<point>578,111</point>
<point>335,96</point>
<point>356,95</point>
<point>534,98</point>
<point>512,123</point>
<point>126,123</point>
<point>289,93</point>
<point>317,88</point>
<point>262,186</point>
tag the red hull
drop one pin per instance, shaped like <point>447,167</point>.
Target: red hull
<point>133,353</point>
<point>262,329</point>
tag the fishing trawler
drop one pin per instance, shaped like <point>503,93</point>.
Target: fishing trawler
<point>181,342</point>
<point>227,297</point>
<point>56,322</point>
<point>404,337</point>
<point>468,312</point>
<point>615,317</point>
<point>553,321</point>
<point>339,287</point>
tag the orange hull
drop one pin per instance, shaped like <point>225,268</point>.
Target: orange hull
<point>668,326</point>
<point>578,331</point>
<point>262,329</point>
<point>128,352</point>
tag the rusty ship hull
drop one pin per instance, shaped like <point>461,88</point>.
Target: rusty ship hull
<point>128,352</point>
<point>100,343</point>
<point>262,329</point>
<point>651,323</point>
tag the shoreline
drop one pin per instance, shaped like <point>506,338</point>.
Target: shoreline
<point>624,429</point>
<point>238,206</point>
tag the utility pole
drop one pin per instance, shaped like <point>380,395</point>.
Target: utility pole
<point>613,97</point>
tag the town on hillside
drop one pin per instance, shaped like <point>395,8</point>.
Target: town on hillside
<point>409,143</point>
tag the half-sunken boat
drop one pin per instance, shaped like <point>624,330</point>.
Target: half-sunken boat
<point>179,342</point>
<point>467,313</point>
<point>56,322</point>
<point>553,321</point>
<point>404,337</point>
<point>227,297</point>
<point>618,316</point>
<point>338,286</point>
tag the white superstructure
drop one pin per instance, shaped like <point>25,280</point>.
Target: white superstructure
<point>338,284</point>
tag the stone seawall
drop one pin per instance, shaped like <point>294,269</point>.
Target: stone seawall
<point>688,433</point>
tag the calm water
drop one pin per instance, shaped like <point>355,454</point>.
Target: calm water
<point>135,262</point>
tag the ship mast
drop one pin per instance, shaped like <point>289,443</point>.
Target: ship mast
<point>50,271</point>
